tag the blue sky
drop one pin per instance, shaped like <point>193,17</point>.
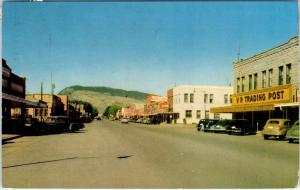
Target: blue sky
<point>139,46</point>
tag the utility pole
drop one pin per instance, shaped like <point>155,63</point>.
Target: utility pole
<point>41,91</point>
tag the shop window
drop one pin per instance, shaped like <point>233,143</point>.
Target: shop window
<point>264,82</point>
<point>205,98</point>
<point>250,82</point>
<point>288,73</point>
<point>238,85</point>
<point>191,98</point>
<point>231,98</point>
<point>255,81</point>
<point>270,77</point>
<point>280,75</point>
<point>206,114</point>
<point>243,84</point>
<point>225,98</point>
<point>188,113</point>
<point>198,113</point>
<point>186,98</point>
<point>211,98</point>
<point>216,116</point>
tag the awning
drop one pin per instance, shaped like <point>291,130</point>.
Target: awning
<point>21,102</point>
<point>244,108</point>
<point>285,105</point>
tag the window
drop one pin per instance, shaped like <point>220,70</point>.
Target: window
<point>205,98</point>
<point>186,98</point>
<point>198,113</point>
<point>243,84</point>
<point>255,82</point>
<point>288,73</point>
<point>211,98</point>
<point>264,81</point>
<point>270,78</point>
<point>250,82</point>
<point>216,115</point>
<point>191,98</point>
<point>280,75</point>
<point>188,113</point>
<point>206,114</point>
<point>225,98</point>
<point>238,85</point>
<point>231,98</point>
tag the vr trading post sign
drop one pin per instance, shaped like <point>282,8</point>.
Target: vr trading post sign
<point>273,95</point>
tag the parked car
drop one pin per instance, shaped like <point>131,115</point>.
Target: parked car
<point>241,127</point>
<point>276,128</point>
<point>139,120</point>
<point>146,121</point>
<point>124,120</point>
<point>57,123</point>
<point>293,133</point>
<point>204,124</point>
<point>220,126</point>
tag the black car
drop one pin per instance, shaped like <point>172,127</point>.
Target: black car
<point>205,124</point>
<point>241,127</point>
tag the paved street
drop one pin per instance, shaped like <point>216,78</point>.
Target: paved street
<point>108,154</point>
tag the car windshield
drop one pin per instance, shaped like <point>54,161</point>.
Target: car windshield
<point>274,122</point>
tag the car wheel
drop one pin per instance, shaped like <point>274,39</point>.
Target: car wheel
<point>198,129</point>
<point>281,137</point>
<point>291,140</point>
<point>266,137</point>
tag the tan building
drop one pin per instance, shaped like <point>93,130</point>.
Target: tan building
<point>54,103</point>
<point>266,85</point>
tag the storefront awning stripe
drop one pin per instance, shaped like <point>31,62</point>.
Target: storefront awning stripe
<point>248,108</point>
<point>22,101</point>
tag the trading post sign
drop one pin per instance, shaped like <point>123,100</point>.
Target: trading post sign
<point>270,95</point>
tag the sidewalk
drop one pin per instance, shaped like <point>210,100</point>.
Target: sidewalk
<point>8,137</point>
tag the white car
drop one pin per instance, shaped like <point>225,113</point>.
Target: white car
<point>124,120</point>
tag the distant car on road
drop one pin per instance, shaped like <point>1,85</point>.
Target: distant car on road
<point>275,128</point>
<point>293,133</point>
<point>57,123</point>
<point>124,120</point>
<point>241,127</point>
<point>206,123</point>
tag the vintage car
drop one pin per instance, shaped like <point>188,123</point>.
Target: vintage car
<point>241,127</point>
<point>205,124</point>
<point>220,126</point>
<point>276,128</point>
<point>293,133</point>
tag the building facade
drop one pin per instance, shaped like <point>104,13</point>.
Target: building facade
<point>191,103</point>
<point>266,85</point>
<point>55,106</point>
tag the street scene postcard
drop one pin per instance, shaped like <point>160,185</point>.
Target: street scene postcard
<point>150,94</point>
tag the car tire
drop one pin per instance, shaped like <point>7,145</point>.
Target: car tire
<point>291,140</point>
<point>281,137</point>
<point>266,137</point>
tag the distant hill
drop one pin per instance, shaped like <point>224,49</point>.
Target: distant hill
<point>101,97</point>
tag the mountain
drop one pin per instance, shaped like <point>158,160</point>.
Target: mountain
<point>101,97</point>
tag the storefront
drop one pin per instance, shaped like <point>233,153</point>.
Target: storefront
<point>266,86</point>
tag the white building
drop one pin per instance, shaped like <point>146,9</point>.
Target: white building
<point>193,102</point>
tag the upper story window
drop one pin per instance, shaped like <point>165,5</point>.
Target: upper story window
<point>255,81</point>
<point>205,98</point>
<point>250,83</point>
<point>280,75</point>
<point>192,98</point>
<point>270,78</point>
<point>264,79</point>
<point>243,84</point>
<point>211,98</point>
<point>186,97</point>
<point>288,73</point>
<point>238,85</point>
<point>225,98</point>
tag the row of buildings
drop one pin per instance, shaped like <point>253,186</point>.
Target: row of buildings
<point>17,105</point>
<point>265,86</point>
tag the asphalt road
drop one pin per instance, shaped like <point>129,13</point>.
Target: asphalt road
<point>108,154</point>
